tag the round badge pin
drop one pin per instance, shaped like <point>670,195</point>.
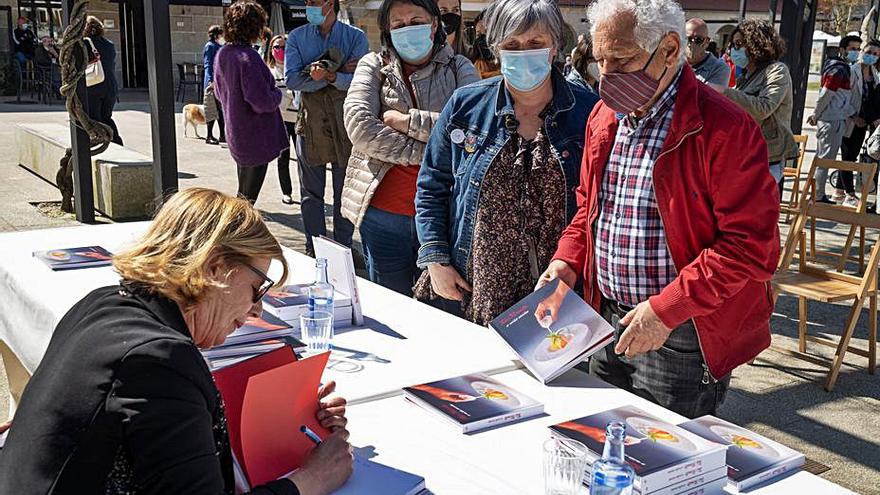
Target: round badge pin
<point>457,136</point>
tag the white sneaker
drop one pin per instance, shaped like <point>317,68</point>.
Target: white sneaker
<point>851,201</point>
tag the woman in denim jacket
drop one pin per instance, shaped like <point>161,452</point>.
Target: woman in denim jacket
<point>496,186</point>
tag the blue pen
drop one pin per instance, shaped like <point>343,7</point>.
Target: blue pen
<point>309,433</point>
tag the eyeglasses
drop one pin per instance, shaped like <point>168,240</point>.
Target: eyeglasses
<point>737,44</point>
<point>264,286</point>
<point>697,40</point>
<point>277,47</point>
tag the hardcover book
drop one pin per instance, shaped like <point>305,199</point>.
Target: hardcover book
<point>474,402</point>
<point>751,458</point>
<point>552,330</point>
<point>661,454</point>
<point>265,327</point>
<point>73,258</point>
<point>291,301</point>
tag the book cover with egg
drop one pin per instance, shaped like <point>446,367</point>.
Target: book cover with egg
<point>73,258</point>
<point>552,330</point>
<point>661,453</point>
<point>751,458</point>
<point>474,402</point>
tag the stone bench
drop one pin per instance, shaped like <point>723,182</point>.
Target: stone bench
<point>122,177</point>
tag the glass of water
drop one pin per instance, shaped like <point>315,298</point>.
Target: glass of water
<point>317,330</point>
<point>565,462</point>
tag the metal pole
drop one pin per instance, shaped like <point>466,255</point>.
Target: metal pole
<point>743,6</point>
<point>161,83</point>
<point>772,12</point>
<point>798,23</point>
<point>81,158</point>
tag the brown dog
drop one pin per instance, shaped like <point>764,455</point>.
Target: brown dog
<point>193,115</point>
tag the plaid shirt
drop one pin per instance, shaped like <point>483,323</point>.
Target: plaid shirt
<point>632,259</point>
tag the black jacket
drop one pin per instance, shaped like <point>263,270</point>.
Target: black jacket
<point>122,401</point>
<point>107,51</point>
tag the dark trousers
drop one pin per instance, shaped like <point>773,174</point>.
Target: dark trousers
<point>284,162</point>
<point>849,151</point>
<point>674,376</point>
<point>312,183</point>
<point>221,124</point>
<point>390,249</point>
<point>101,105</point>
<point>250,181</point>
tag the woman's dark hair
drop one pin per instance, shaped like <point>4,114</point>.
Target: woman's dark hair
<point>762,43</point>
<point>385,22</point>
<point>244,22</point>
<point>214,32</point>
<point>874,43</point>
<point>94,27</point>
<point>582,55</point>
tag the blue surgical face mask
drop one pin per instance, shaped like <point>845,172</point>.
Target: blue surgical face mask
<point>852,56</point>
<point>869,59</point>
<point>739,57</point>
<point>525,70</point>
<point>413,43</point>
<point>315,15</point>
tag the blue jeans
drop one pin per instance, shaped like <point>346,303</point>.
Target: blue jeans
<point>390,249</point>
<point>312,182</point>
<point>22,59</point>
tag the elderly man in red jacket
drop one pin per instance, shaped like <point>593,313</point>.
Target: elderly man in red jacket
<point>676,235</point>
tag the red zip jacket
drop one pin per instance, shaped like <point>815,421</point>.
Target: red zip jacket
<point>719,206</point>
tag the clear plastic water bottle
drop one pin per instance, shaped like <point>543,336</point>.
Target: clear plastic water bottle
<point>321,292</point>
<point>611,474</point>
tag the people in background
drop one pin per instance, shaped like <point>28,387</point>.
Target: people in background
<point>123,401</point>
<point>393,102</point>
<point>833,107</point>
<point>246,90</point>
<point>496,186</point>
<point>864,115</point>
<point>213,109</point>
<point>289,113</point>
<point>24,42</point>
<point>481,55</point>
<point>707,67</point>
<point>453,25</point>
<point>584,69</point>
<point>764,88</point>
<point>675,248</point>
<point>319,61</point>
<point>47,53</point>
<point>102,96</point>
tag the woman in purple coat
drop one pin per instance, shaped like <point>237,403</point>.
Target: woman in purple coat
<point>246,89</point>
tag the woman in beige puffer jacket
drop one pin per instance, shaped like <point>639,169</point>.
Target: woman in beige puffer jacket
<point>390,109</point>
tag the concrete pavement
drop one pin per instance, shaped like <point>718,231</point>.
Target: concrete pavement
<point>776,396</point>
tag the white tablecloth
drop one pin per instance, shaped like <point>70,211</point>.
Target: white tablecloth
<point>403,343</point>
<point>507,459</point>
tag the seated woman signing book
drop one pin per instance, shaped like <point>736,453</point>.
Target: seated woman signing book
<point>123,401</point>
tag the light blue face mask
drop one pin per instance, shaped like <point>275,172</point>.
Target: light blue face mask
<point>739,57</point>
<point>852,56</point>
<point>412,43</point>
<point>869,59</point>
<point>525,70</point>
<point>315,15</point>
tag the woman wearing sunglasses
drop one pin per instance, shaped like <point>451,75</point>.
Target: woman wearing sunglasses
<point>123,401</point>
<point>274,58</point>
<point>393,101</point>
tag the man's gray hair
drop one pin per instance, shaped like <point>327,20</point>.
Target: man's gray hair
<point>506,18</point>
<point>654,20</point>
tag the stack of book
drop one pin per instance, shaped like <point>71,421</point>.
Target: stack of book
<point>751,458</point>
<point>667,459</point>
<point>73,258</point>
<point>255,337</point>
<point>473,402</point>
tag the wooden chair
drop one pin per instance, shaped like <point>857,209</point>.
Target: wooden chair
<point>867,170</point>
<point>826,284</point>
<point>789,208</point>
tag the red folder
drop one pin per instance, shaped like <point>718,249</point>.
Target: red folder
<point>277,403</point>
<point>232,382</point>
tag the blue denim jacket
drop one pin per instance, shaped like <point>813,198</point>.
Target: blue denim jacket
<point>463,144</point>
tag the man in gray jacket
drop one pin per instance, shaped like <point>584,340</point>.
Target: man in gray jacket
<point>707,67</point>
<point>833,107</point>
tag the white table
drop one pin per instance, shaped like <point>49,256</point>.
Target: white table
<point>435,345</point>
<point>404,342</point>
<point>506,460</point>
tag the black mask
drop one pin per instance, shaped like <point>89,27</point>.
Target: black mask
<point>451,21</point>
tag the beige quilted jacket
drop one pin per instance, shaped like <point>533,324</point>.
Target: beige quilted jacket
<point>378,87</point>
